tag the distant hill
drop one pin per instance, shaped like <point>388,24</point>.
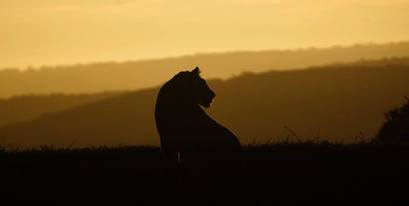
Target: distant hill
<point>339,102</point>
<point>99,77</point>
<point>27,107</point>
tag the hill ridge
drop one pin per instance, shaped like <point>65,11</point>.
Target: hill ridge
<point>131,75</point>
<point>341,101</point>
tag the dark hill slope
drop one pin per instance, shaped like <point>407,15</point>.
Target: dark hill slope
<point>336,102</point>
<point>27,107</point>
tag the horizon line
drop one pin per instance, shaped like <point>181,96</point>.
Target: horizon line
<point>185,55</point>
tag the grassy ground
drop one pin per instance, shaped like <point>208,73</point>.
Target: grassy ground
<point>280,173</point>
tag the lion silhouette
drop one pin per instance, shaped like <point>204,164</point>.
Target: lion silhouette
<point>187,134</point>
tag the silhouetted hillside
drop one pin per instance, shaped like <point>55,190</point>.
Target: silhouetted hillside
<point>340,102</point>
<point>139,74</point>
<point>23,108</point>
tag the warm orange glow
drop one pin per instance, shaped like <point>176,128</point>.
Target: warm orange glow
<point>47,32</point>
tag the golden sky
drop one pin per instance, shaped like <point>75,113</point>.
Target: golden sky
<point>50,32</point>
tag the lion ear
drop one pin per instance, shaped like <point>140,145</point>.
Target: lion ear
<point>196,71</point>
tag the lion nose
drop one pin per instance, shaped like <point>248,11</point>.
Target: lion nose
<point>213,94</point>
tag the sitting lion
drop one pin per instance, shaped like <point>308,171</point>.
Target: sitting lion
<point>187,134</point>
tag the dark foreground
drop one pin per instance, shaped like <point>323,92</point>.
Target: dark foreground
<point>271,174</point>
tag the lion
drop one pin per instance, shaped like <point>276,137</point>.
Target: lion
<point>187,134</point>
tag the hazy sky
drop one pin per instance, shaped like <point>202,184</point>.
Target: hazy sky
<point>49,32</point>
